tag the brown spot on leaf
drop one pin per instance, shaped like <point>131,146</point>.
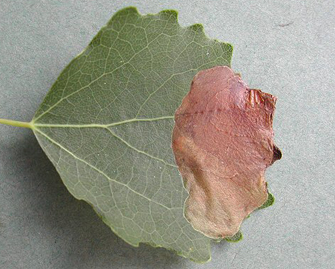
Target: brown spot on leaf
<point>223,142</point>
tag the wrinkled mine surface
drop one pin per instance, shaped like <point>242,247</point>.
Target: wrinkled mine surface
<point>223,142</point>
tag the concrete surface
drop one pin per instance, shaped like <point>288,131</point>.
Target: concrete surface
<point>282,47</point>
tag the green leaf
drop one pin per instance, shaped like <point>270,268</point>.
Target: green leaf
<point>238,236</point>
<point>269,202</point>
<point>106,125</point>
<point>235,238</point>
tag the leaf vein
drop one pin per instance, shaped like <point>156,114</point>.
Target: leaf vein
<point>140,151</point>
<point>98,78</point>
<point>98,170</point>
<point>93,125</point>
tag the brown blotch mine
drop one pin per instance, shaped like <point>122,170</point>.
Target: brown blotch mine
<point>223,142</point>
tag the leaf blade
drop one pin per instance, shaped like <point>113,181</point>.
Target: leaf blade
<point>106,125</point>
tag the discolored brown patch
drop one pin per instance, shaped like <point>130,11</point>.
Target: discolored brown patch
<point>223,142</point>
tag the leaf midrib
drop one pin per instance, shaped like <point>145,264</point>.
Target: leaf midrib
<point>106,127</point>
<point>93,125</point>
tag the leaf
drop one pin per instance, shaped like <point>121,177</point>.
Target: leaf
<point>106,125</point>
<point>235,238</point>
<point>269,201</point>
<point>223,142</point>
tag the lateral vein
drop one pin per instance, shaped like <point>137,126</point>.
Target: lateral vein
<point>96,169</point>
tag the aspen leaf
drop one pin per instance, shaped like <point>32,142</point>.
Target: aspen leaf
<point>107,123</point>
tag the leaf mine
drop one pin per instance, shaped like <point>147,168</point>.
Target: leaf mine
<point>223,142</point>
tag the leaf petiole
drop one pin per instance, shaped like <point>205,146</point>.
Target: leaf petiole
<point>17,123</point>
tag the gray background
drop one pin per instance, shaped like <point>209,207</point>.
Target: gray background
<point>282,47</point>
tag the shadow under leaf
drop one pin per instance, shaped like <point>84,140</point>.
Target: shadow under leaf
<point>67,232</point>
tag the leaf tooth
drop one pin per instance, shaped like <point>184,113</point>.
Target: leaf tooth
<point>235,238</point>
<point>121,16</point>
<point>269,202</point>
<point>126,11</point>
<point>169,14</point>
<point>197,28</point>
